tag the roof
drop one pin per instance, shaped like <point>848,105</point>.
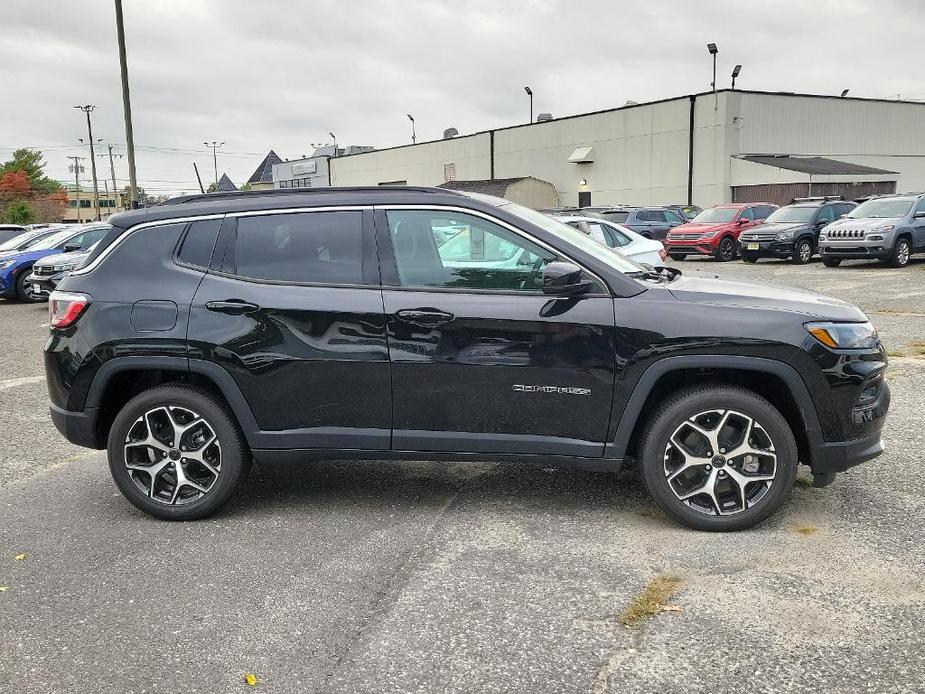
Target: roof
<point>493,186</point>
<point>225,185</point>
<point>264,172</point>
<point>815,165</point>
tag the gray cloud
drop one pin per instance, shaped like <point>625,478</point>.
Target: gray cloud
<point>284,74</point>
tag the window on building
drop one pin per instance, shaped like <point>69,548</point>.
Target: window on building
<point>449,172</point>
<point>461,251</point>
<point>316,247</point>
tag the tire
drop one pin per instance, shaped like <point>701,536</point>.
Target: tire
<point>23,289</point>
<point>678,256</point>
<point>763,497</point>
<point>146,414</point>
<point>831,262</point>
<point>803,251</point>
<point>749,258</point>
<point>726,250</point>
<point>902,251</point>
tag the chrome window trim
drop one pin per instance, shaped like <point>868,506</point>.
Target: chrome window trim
<point>501,223</point>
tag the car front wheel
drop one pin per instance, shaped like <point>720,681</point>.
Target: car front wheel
<point>24,288</point>
<point>727,249</point>
<point>902,251</point>
<point>176,452</point>
<point>802,252</point>
<point>718,457</point>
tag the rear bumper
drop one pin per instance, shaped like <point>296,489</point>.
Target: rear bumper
<point>77,427</point>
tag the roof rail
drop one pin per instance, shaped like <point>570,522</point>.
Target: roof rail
<point>818,198</point>
<point>238,194</point>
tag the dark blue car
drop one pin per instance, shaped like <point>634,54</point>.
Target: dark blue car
<point>16,265</point>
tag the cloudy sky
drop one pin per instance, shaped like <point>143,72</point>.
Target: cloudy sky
<point>282,75</point>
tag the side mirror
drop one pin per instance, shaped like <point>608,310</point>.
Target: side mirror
<point>919,214</point>
<point>71,247</point>
<point>742,220</point>
<point>565,279</point>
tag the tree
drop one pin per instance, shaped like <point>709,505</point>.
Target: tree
<point>212,187</point>
<point>19,212</point>
<point>14,185</point>
<point>31,162</point>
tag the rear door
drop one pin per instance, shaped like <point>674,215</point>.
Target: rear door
<point>292,309</point>
<point>482,360</point>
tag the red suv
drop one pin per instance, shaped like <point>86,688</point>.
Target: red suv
<point>715,230</point>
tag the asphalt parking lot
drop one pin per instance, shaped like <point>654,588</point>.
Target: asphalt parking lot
<point>427,577</point>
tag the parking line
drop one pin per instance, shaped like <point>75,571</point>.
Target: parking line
<point>14,382</point>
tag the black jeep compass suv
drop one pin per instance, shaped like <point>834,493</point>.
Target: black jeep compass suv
<point>419,323</point>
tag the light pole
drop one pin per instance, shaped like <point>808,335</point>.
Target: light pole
<point>96,194</point>
<point>530,94</point>
<point>735,73</point>
<point>334,137</point>
<point>112,171</point>
<point>713,51</point>
<point>127,108</point>
<point>214,147</point>
<point>413,134</point>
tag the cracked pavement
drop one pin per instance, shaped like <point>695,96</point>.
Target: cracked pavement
<point>380,576</point>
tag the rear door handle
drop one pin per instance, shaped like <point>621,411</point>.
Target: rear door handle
<point>425,317</point>
<point>234,307</point>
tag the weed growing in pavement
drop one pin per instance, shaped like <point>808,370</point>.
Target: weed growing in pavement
<point>804,529</point>
<point>651,600</point>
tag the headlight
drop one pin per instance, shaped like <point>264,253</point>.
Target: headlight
<point>844,335</point>
<point>4,264</point>
<point>885,227</point>
<point>710,234</point>
<point>784,236</point>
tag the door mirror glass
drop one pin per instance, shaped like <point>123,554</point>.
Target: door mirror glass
<point>562,278</point>
<point>71,247</point>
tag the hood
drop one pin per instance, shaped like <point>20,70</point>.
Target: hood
<point>691,227</point>
<point>864,223</point>
<point>775,227</point>
<point>28,256</point>
<point>62,258</point>
<point>770,297</point>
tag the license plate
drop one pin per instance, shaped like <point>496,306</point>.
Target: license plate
<point>753,246</point>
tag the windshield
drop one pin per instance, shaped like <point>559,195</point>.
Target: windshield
<point>715,215</point>
<point>883,208</point>
<point>571,235</point>
<point>792,214</point>
<point>52,240</point>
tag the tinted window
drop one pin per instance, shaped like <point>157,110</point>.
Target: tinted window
<point>650,216</point>
<point>792,214</point>
<point>716,215</point>
<point>673,217</point>
<point>476,255</point>
<point>617,217</point>
<point>826,214</point>
<point>199,242</point>
<point>748,213</point>
<point>323,247</point>
<point>920,207</point>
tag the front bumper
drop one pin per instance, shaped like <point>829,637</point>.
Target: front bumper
<point>857,249</point>
<point>7,285</point>
<point>698,247</point>
<point>44,285</point>
<point>771,249</point>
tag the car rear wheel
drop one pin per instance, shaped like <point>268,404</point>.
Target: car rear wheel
<point>726,250</point>
<point>802,252</point>
<point>902,251</point>
<point>678,256</point>
<point>24,288</point>
<point>718,457</point>
<point>831,262</point>
<point>176,452</point>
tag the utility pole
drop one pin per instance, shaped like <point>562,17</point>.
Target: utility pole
<point>127,108</point>
<point>214,147</point>
<point>112,170</point>
<point>76,167</point>
<point>96,192</point>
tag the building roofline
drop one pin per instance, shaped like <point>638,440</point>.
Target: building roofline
<point>685,97</point>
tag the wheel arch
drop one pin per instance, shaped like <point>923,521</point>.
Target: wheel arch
<point>776,381</point>
<point>121,378</point>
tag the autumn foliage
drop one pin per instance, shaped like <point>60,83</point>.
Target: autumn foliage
<point>26,194</point>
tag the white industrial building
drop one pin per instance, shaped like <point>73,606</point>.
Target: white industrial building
<point>702,149</point>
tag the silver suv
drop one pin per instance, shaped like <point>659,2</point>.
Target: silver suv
<point>888,228</point>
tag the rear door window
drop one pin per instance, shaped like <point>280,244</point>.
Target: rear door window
<point>310,247</point>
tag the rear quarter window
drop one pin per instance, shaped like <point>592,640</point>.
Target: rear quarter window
<point>196,247</point>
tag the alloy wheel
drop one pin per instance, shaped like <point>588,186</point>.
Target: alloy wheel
<point>720,462</point>
<point>902,253</point>
<point>173,455</point>
<point>727,249</point>
<point>806,251</point>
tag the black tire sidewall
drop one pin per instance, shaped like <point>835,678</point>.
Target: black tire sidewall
<point>690,403</point>
<point>796,258</point>
<point>728,241</point>
<point>894,258</point>
<point>236,458</point>
<point>21,293</point>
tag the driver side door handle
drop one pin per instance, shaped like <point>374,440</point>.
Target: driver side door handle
<point>233,307</point>
<point>424,317</point>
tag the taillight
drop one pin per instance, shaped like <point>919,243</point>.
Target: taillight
<point>64,308</point>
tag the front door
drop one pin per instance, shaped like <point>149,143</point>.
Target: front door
<point>482,360</point>
<point>292,311</point>
<point>918,225</point>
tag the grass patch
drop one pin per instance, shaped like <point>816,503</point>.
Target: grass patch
<point>804,481</point>
<point>918,346</point>
<point>804,529</point>
<point>649,513</point>
<point>651,600</point>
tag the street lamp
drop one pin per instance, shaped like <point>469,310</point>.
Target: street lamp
<point>214,147</point>
<point>334,137</point>
<point>96,193</point>
<point>735,73</point>
<point>530,94</point>
<point>713,51</point>
<point>844,92</point>
<point>413,135</point>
